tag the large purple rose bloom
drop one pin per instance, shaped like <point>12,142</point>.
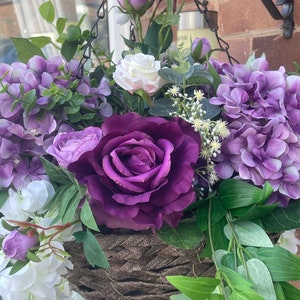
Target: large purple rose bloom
<point>141,172</point>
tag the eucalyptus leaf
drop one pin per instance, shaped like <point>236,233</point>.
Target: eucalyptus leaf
<point>248,233</point>
<point>211,110</point>
<point>170,76</point>
<point>186,235</point>
<point>259,274</point>
<point>92,249</point>
<point>195,288</point>
<point>86,216</point>
<point>162,107</point>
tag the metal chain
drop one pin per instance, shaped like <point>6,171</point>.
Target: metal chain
<point>224,46</point>
<point>94,33</point>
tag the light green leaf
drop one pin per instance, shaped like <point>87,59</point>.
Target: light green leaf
<point>40,41</point>
<point>195,288</point>
<point>87,218</point>
<point>92,249</point>
<point>29,100</point>
<point>60,25</point>
<point>26,49</point>
<point>245,295</point>
<point>260,276</point>
<point>180,297</point>
<point>187,235</point>
<point>249,234</point>
<point>32,257</point>
<point>234,279</point>
<point>47,11</point>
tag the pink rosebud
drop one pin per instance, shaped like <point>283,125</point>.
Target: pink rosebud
<point>200,47</point>
<point>16,244</point>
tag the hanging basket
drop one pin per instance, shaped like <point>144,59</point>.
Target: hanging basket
<point>139,264</point>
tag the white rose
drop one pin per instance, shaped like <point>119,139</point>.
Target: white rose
<point>139,71</point>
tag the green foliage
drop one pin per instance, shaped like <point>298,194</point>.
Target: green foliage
<point>92,250</point>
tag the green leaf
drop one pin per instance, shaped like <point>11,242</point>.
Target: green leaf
<point>236,193</point>
<point>279,291</point>
<point>187,235</point>
<point>248,294</point>
<point>92,250</point>
<point>40,41</point>
<point>234,279</point>
<point>283,218</point>
<point>144,96</point>
<point>32,257</point>
<point>179,297</point>
<point>60,25</point>
<point>26,49</point>
<point>170,76</point>
<point>282,264</point>
<point>3,197</point>
<point>290,292</point>
<point>215,75</point>
<point>17,266</point>
<point>87,218</point>
<point>195,288</point>
<point>69,49</point>
<point>29,100</point>
<point>259,274</point>
<point>47,11</point>
<point>249,234</point>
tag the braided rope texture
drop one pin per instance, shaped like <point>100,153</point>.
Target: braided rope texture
<point>139,266</point>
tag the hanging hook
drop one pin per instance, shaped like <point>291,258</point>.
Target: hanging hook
<point>286,14</point>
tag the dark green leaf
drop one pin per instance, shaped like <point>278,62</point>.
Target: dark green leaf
<point>29,100</point>
<point>17,266</point>
<point>215,75</point>
<point>195,288</point>
<point>26,49</point>
<point>211,110</point>
<point>47,11</point>
<point>283,218</point>
<point>92,249</point>
<point>187,235</point>
<point>236,193</point>
<point>87,218</point>
<point>69,49</point>
<point>290,292</point>
<point>253,212</point>
<point>7,226</point>
<point>3,197</point>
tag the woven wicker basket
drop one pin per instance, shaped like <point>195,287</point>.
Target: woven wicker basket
<point>139,266</point>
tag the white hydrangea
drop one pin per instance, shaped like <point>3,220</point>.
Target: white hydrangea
<point>38,280</point>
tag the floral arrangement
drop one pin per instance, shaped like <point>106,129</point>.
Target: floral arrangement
<point>168,140</point>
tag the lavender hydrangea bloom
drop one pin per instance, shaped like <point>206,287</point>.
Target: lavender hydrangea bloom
<point>27,129</point>
<point>262,111</point>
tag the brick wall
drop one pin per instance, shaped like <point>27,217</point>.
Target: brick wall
<point>248,27</point>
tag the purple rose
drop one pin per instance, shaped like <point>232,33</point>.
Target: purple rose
<point>16,244</point>
<point>141,172</point>
<point>200,47</point>
<point>68,146</point>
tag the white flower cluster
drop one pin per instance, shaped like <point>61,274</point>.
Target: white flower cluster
<point>190,108</point>
<point>40,280</point>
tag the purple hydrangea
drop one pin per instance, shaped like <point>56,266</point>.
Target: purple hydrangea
<point>27,129</point>
<point>262,109</point>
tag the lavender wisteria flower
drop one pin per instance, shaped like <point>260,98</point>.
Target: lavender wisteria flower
<point>262,111</point>
<point>141,172</point>
<point>37,101</point>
